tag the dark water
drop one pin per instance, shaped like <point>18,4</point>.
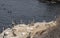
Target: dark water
<point>26,10</point>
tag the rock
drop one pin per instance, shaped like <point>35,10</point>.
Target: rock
<point>49,1</point>
<point>37,30</point>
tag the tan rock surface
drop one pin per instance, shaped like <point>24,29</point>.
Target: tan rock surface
<point>37,30</point>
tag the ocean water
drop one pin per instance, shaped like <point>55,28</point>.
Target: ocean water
<point>26,10</point>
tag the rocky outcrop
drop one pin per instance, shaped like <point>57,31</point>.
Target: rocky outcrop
<point>34,30</point>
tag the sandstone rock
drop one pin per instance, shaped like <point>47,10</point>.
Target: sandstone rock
<point>37,30</point>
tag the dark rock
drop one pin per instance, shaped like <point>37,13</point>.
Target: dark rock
<point>49,1</point>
